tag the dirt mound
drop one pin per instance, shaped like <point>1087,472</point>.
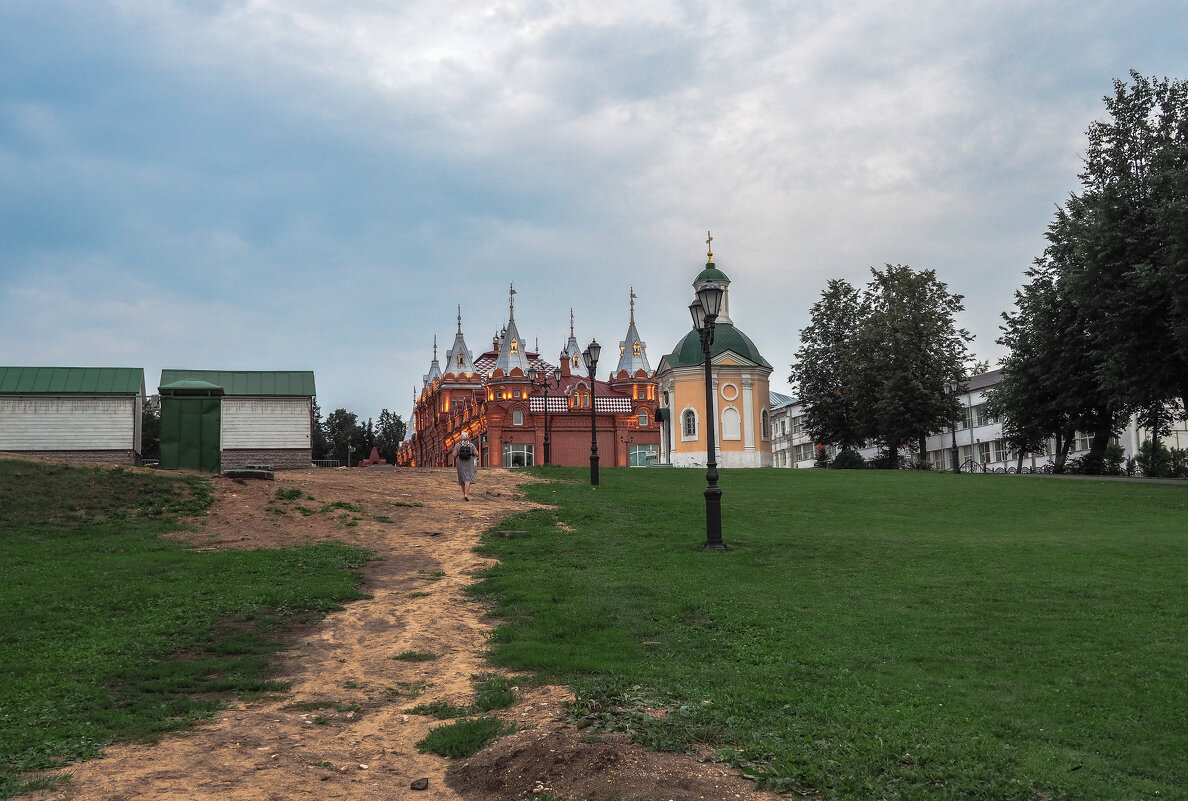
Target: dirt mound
<point>556,760</point>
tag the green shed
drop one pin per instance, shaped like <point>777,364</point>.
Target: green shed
<point>190,425</point>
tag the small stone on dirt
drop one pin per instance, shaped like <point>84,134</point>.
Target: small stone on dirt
<point>420,784</point>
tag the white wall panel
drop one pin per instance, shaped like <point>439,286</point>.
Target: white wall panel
<point>29,423</point>
<point>265,423</point>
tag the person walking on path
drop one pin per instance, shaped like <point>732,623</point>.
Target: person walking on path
<point>466,461</point>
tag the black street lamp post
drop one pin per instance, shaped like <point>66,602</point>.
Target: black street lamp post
<point>704,309</point>
<point>544,384</point>
<point>951,387</point>
<point>590,357</point>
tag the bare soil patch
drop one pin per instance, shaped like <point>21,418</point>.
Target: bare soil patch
<point>342,731</point>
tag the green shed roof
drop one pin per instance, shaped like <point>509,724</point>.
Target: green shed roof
<point>71,380</point>
<point>726,338</point>
<point>282,383</point>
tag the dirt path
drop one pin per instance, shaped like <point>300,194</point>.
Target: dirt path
<point>364,747</point>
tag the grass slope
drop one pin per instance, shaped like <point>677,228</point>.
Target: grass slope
<point>868,634</point>
<point>110,632</point>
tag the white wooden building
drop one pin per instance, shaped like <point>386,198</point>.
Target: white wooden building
<point>82,414</point>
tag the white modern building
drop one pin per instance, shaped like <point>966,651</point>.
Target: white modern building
<point>977,437</point>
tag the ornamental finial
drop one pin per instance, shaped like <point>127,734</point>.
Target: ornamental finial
<point>435,347</point>
<point>709,247</point>
<point>571,322</point>
<point>511,302</point>
<point>459,318</point>
<point>633,297</point>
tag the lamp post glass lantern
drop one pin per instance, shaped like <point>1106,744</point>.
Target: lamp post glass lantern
<point>590,358</point>
<point>545,383</point>
<point>704,311</point>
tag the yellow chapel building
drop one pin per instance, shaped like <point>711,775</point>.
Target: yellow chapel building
<point>742,397</point>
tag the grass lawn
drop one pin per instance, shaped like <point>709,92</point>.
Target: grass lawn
<point>110,632</point>
<point>868,634</point>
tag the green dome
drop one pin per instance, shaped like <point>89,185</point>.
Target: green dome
<point>711,273</point>
<point>726,337</point>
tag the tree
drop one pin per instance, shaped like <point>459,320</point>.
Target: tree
<point>389,433</point>
<point>344,436</point>
<point>1128,228</point>
<point>878,364</point>
<point>150,431</point>
<point>319,446</point>
<point>913,352</point>
<point>825,369</point>
<point>1101,330</point>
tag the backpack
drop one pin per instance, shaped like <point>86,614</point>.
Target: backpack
<point>466,451</point>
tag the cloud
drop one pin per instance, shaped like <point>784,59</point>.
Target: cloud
<point>321,183</point>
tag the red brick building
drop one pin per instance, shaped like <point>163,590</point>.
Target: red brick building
<point>492,398</point>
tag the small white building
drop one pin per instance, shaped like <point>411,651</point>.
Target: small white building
<point>80,414</point>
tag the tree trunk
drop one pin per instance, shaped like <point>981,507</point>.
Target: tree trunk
<point>1095,461</point>
<point>1019,464</point>
<point>1064,442</point>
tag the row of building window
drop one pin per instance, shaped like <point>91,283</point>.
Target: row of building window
<point>516,454</point>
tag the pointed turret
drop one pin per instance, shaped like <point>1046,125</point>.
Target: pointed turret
<point>571,354</point>
<point>513,352</point>
<point>633,352</point>
<point>460,360</point>
<point>434,368</point>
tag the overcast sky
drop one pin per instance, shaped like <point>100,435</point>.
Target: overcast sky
<point>317,184</point>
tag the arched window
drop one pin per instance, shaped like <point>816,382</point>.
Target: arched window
<point>635,349</point>
<point>515,346</point>
<point>518,417</point>
<point>643,418</point>
<point>577,361</point>
<point>766,420</point>
<point>461,358</point>
<point>689,424</point>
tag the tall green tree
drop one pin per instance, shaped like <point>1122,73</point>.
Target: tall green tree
<point>878,364</point>
<point>1101,329</point>
<point>1127,228</point>
<point>389,433</point>
<point>825,372</point>
<point>913,351</point>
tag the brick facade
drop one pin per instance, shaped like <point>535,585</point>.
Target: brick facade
<point>84,457</point>
<point>276,457</point>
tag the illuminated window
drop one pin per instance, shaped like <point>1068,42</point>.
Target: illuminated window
<point>635,349</point>
<point>515,346</point>
<point>461,359</point>
<point>577,361</point>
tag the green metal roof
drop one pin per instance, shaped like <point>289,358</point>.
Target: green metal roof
<point>726,338</point>
<point>191,387</point>
<point>290,383</point>
<point>71,380</point>
<point>711,273</point>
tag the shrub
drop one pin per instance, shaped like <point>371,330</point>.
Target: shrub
<point>1115,457</point>
<point>848,460</point>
